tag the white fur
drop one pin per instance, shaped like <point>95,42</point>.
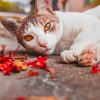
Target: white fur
<point>41,37</point>
<point>95,12</point>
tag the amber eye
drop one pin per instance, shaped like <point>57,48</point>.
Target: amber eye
<point>28,37</point>
<point>47,26</point>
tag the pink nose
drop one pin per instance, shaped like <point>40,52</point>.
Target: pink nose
<point>44,45</point>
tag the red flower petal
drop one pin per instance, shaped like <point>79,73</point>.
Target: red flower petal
<point>52,72</point>
<point>95,69</point>
<point>33,73</point>
<point>40,58</point>
<point>21,98</point>
<point>19,69</point>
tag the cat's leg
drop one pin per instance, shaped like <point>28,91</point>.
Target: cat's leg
<point>76,49</point>
<point>73,53</point>
<point>90,56</point>
<point>83,40</point>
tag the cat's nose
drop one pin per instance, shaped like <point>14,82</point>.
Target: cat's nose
<point>44,45</point>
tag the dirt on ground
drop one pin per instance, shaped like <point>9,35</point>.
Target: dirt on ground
<point>72,81</point>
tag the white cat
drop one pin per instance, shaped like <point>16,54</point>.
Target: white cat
<point>74,36</point>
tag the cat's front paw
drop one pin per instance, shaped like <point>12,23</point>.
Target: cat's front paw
<point>68,56</point>
<point>89,57</point>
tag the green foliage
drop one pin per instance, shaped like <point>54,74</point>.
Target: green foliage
<point>8,7</point>
<point>92,1</point>
<point>96,2</point>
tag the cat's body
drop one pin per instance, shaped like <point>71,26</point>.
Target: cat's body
<point>74,36</point>
<point>80,32</point>
<point>78,26</point>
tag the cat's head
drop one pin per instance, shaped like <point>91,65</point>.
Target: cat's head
<point>40,31</point>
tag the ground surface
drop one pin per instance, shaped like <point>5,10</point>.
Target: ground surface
<point>72,81</point>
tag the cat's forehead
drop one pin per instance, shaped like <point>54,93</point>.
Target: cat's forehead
<point>42,18</point>
<point>36,20</point>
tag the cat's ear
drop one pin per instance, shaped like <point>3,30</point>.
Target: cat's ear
<point>42,6</point>
<point>11,24</point>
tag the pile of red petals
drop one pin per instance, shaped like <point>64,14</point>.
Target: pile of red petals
<point>11,63</point>
<point>95,69</point>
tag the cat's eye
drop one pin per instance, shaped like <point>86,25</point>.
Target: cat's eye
<point>47,26</point>
<point>28,37</point>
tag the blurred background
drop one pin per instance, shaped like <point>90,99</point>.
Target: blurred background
<point>24,6</point>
